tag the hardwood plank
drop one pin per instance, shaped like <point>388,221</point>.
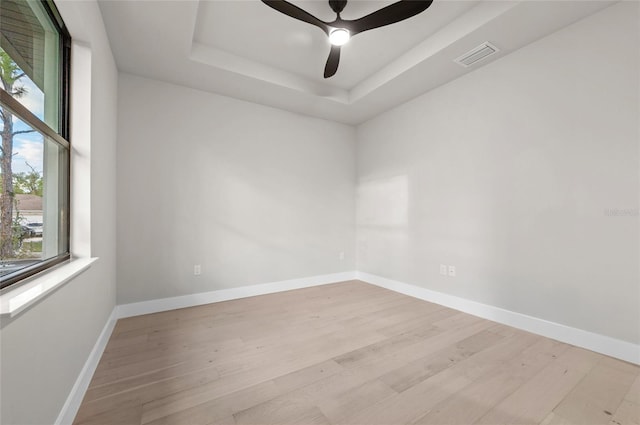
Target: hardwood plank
<point>287,412</point>
<point>150,358</point>
<point>348,353</point>
<point>599,394</point>
<point>471,403</point>
<point>308,375</point>
<point>269,368</point>
<point>412,345</point>
<point>202,366</point>
<point>221,408</point>
<point>106,375</point>
<point>530,403</point>
<point>555,419</point>
<point>137,396</point>
<point>417,324</point>
<point>118,415</point>
<point>201,415</point>
<point>627,414</point>
<point>413,403</point>
<point>419,370</point>
<point>346,404</point>
<point>633,395</point>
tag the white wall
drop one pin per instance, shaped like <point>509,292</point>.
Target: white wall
<point>252,194</point>
<point>507,172</point>
<point>44,348</point>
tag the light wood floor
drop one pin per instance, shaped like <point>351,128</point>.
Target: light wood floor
<point>348,353</point>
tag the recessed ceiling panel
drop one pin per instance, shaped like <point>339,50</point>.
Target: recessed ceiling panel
<point>245,49</point>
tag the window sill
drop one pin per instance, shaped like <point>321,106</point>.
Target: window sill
<point>17,300</point>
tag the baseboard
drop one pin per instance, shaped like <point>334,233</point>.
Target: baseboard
<point>619,349</point>
<point>164,304</point>
<point>72,404</point>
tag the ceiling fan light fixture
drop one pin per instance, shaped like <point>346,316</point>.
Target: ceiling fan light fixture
<point>339,36</point>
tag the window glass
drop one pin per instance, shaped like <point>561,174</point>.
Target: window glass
<point>34,154</point>
<point>32,42</point>
<point>34,221</point>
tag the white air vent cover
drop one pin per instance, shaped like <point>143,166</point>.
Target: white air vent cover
<point>482,51</point>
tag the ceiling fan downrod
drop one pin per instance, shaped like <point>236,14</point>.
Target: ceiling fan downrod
<point>337,6</point>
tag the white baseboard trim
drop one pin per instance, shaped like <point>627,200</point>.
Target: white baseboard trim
<point>72,404</point>
<point>164,304</point>
<point>592,341</point>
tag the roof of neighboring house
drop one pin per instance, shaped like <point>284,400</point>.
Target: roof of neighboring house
<point>23,38</point>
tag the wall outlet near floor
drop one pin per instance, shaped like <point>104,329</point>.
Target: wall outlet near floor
<point>197,270</point>
<point>341,255</point>
<point>443,269</point>
<point>452,271</point>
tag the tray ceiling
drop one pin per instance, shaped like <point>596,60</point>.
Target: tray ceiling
<point>247,50</point>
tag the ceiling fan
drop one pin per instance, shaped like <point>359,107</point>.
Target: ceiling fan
<point>340,30</point>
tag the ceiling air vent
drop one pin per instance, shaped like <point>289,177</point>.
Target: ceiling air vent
<point>482,51</point>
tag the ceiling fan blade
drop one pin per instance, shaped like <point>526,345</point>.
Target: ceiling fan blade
<point>396,12</point>
<point>295,12</point>
<point>332,62</point>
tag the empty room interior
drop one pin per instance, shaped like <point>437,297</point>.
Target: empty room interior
<point>365,212</point>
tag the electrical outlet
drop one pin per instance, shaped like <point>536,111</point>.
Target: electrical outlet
<point>197,270</point>
<point>341,255</point>
<point>452,271</point>
<point>443,269</point>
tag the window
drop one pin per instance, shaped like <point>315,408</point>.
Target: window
<point>34,156</point>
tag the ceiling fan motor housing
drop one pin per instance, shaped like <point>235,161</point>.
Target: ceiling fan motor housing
<point>337,5</point>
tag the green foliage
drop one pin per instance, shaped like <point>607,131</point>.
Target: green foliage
<point>31,249</point>
<point>18,233</point>
<point>10,72</point>
<point>28,183</point>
